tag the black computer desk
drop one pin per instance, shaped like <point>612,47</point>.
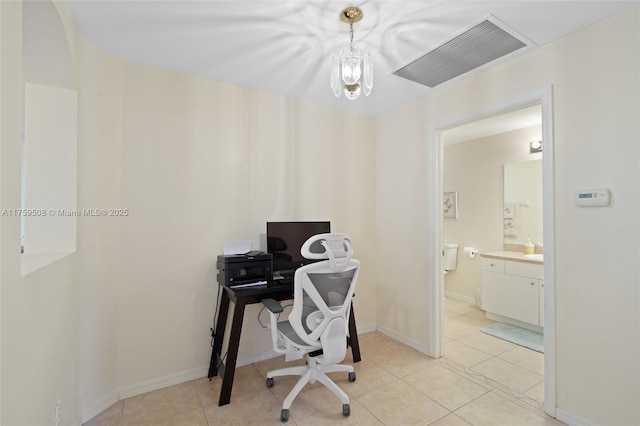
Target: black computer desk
<point>241,298</point>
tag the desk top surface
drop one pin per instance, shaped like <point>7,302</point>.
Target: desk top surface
<point>275,287</point>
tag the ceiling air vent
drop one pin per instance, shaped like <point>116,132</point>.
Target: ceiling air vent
<point>477,46</point>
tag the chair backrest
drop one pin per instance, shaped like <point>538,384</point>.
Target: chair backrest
<point>323,291</point>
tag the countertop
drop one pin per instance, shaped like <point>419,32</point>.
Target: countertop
<point>511,255</point>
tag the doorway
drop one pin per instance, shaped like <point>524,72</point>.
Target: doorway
<point>435,285</point>
<point>497,177</point>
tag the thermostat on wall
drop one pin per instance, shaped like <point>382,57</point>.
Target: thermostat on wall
<point>593,198</point>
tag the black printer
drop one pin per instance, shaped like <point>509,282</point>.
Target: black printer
<point>241,269</point>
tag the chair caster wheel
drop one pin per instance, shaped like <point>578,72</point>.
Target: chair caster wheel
<point>352,377</point>
<point>346,410</point>
<point>284,415</point>
<point>269,382</point>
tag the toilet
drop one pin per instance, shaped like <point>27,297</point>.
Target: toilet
<point>450,257</point>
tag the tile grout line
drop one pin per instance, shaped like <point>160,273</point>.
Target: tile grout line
<point>520,366</point>
<point>204,412</point>
<point>525,401</point>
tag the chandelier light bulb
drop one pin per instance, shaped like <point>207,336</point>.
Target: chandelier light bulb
<point>351,69</point>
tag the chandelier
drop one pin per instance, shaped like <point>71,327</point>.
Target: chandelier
<point>351,66</point>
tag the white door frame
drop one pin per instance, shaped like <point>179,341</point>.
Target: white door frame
<point>435,279</point>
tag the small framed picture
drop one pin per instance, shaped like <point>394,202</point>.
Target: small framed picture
<point>450,205</point>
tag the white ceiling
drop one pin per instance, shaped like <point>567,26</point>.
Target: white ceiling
<point>283,47</point>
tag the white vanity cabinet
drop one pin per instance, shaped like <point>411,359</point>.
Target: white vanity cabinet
<point>513,290</point>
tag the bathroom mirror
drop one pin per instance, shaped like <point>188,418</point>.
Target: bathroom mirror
<point>523,202</point>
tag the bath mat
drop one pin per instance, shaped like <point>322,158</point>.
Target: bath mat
<point>519,336</point>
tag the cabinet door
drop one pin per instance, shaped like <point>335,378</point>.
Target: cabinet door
<point>511,296</point>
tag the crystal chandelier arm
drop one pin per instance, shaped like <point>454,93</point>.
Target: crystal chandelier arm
<point>367,74</point>
<point>334,76</point>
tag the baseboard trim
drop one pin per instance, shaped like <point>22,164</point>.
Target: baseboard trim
<point>402,339</point>
<point>99,407</point>
<point>367,329</point>
<point>162,382</point>
<point>571,419</point>
<point>259,357</point>
<point>460,297</point>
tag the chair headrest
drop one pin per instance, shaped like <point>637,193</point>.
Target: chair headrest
<point>335,247</point>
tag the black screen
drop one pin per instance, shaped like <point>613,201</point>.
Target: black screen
<point>285,239</point>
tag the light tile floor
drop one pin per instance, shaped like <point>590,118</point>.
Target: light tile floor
<point>481,380</point>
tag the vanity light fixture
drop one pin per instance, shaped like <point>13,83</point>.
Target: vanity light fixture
<point>351,67</point>
<point>535,146</point>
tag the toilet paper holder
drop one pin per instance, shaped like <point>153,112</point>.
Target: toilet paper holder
<point>470,252</point>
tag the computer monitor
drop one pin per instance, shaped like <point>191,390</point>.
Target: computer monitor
<point>285,239</point>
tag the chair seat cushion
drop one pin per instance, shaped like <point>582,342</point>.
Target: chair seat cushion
<point>285,328</point>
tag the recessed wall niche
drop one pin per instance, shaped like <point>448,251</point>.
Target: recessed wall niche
<point>49,145</point>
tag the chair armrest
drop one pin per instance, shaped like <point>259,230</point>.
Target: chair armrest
<point>272,305</point>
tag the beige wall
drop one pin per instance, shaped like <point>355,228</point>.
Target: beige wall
<point>39,311</point>
<point>99,247</point>
<point>3,37</point>
<point>205,162</point>
<point>596,106</point>
<point>187,158</point>
<point>474,169</point>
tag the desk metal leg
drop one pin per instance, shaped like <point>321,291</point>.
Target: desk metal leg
<point>232,352</point>
<point>221,325</point>
<point>353,337</point>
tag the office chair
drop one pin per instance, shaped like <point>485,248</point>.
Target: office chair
<point>318,323</point>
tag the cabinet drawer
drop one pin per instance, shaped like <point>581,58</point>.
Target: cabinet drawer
<point>494,265</point>
<point>521,269</point>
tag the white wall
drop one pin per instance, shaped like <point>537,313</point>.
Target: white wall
<point>475,170</point>
<point>596,106</point>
